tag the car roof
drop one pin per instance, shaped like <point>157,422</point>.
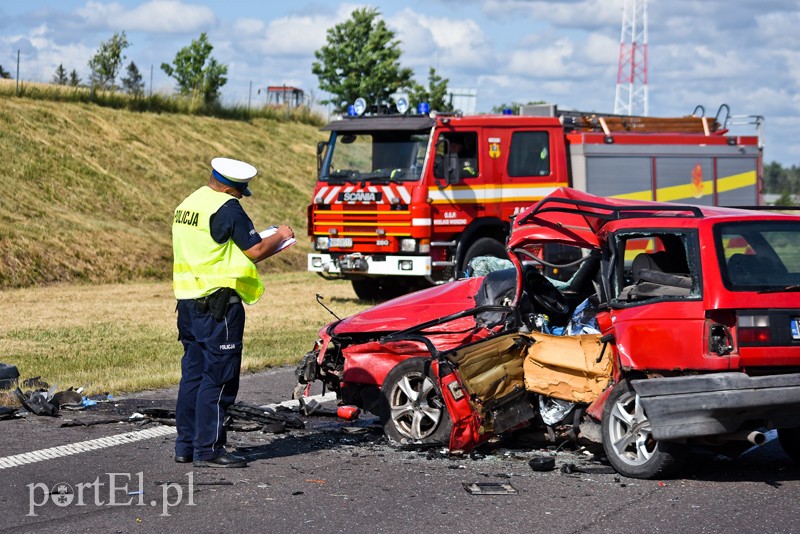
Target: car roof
<point>573,217</point>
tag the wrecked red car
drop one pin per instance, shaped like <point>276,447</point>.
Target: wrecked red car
<point>677,325</point>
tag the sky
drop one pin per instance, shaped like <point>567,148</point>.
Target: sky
<point>743,53</point>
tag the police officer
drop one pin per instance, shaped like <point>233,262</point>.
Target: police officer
<point>215,249</point>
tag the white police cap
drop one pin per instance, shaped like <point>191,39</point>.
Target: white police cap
<point>234,173</point>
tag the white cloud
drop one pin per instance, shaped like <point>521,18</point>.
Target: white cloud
<point>445,42</point>
<point>159,16</point>
<point>244,27</point>
<point>600,49</point>
<point>580,14</point>
<point>780,30</point>
<point>553,61</point>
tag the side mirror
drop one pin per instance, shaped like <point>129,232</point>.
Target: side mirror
<point>452,169</point>
<point>320,151</point>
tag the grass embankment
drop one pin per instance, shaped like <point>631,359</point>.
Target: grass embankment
<point>85,244</point>
<point>154,103</point>
<point>89,191</point>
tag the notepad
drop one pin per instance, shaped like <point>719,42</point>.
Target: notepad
<point>284,244</point>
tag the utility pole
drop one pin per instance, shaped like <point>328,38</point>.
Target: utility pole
<point>16,90</point>
<point>631,95</point>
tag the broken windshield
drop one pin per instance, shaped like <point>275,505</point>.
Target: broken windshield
<point>375,157</point>
<point>759,256</point>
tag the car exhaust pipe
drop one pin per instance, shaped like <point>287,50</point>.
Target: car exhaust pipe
<point>753,436</point>
<point>757,438</point>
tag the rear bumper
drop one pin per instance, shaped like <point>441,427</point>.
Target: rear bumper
<point>719,403</point>
<point>357,264</point>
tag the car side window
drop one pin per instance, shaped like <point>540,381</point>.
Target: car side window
<point>656,265</point>
<point>529,154</point>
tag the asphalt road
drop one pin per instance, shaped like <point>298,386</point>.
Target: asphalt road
<point>335,476</point>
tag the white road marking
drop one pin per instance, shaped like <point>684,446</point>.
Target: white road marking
<point>128,437</point>
<point>84,446</point>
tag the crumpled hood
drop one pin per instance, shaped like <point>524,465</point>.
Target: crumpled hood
<point>414,308</point>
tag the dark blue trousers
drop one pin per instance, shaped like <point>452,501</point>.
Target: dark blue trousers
<point>209,378</point>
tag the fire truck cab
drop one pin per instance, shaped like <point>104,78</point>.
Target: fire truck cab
<point>406,201</point>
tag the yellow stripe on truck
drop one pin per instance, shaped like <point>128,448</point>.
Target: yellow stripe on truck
<point>491,194</point>
<point>687,191</point>
<point>737,181</point>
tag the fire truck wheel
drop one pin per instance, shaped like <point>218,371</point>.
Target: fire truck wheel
<point>628,440</point>
<point>484,246</point>
<point>378,289</point>
<point>412,410</point>
<point>790,441</point>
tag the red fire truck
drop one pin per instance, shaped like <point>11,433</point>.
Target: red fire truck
<point>405,201</point>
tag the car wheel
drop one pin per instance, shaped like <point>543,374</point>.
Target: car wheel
<point>790,441</point>
<point>628,440</point>
<point>412,408</point>
<point>485,246</point>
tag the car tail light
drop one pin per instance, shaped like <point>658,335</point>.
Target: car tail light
<point>753,329</point>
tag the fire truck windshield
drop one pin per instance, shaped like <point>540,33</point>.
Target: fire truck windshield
<point>375,157</point>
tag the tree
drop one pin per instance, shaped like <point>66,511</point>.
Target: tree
<point>60,77</point>
<point>196,72</point>
<point>105,64</point>
<point>74,80</point>
<point>435,94</point>
<point>360,59</point>
<point>133,83</point>
<point>785,199</point>
<point>4,73</point>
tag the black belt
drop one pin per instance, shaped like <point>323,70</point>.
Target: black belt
<point>232,300</point>
<point>217,303</point>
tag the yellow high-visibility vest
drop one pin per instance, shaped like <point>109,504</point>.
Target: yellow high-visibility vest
<point>201,265</point>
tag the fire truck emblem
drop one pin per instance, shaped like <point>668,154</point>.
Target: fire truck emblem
<point>494,147</point>
<point>697,181</point>
<point>360,196</point>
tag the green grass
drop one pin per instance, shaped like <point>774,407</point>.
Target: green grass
<point>120,338</point>
<point>154,103</point>
<point>89,191</point>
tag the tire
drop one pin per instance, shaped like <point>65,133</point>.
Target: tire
<point>412,410</point>
<point>484,246</point>
<point>379,289</point>
<point>790,441</point>
<point>628,441</point>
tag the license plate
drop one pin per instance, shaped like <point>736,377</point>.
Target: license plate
<point>340,242</point>
<point>796,328</point>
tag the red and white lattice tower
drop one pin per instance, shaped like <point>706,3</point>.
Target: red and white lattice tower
<point>631,98</point>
